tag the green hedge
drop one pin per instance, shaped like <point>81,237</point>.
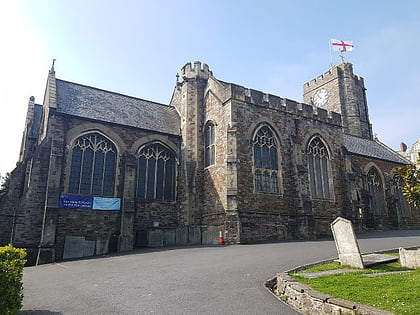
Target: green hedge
<point>12,261</point>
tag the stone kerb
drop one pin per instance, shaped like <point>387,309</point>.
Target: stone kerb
<point>346,243</point>
<point>409,258</point>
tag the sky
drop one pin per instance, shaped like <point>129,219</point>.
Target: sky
<point>137,48</point>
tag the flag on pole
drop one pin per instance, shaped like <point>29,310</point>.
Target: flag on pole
<point>341,45</point>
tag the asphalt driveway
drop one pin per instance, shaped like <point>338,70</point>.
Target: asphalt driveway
<point>184,280</point>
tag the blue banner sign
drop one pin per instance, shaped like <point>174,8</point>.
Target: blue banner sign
<point>106,203</point>
<point>84,202</point>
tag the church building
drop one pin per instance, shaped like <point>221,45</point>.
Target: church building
<point>102,172</point>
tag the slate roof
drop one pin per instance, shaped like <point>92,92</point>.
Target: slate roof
<point>89,102</point>
<point>372,148</point>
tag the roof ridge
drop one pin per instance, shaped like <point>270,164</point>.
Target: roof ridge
<point>115,93</point>
<point>390,149</point>
<point>358,146</point>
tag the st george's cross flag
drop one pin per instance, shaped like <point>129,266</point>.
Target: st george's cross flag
<point>341,45</point>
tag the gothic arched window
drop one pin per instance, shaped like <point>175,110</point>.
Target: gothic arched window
<point>93,165</point>
<point>156,173</point>
<point>266,170</point>
<point>209,144</point>
<point>318,164</point>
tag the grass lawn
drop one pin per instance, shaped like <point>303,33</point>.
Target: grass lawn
<point>397,293</point>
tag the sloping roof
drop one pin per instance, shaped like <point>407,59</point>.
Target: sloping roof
<point>372,148</point>
<point>88,102</point>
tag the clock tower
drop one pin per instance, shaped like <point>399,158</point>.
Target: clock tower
<point>339,90</point>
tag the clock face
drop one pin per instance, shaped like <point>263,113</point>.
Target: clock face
<point>320,97</point>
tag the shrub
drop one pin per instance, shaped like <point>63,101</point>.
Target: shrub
<point>409,178</point>
<point>12,261</point>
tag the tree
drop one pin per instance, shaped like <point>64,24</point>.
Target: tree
<point>5,185</point>
<point>409,179</point>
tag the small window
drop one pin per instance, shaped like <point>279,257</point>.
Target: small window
<point>156,173</point>
<point>93,165</point>
<point>265,162</point>
<point>318,164</point>
<point>209,144</point>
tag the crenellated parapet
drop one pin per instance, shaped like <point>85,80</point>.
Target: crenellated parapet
<point>327,76</point>
<point>198,71</point>
<point>285,105</point>
<point>340,71</point>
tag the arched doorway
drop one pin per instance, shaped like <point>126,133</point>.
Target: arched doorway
<point>376,199</point>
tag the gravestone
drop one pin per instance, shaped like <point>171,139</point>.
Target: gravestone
<point>73,247</point>
<point>210,235</point>
<point>346,243</point>
<point>155,238</point>
<point>409,258</point>
<point>77,247</point>
<point>181,235</point>
<point>89,248</point>
<point>169,238</point>
<point>194,235</point>
<point>102,247</point>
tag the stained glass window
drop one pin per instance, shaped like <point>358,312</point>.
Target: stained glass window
<point>93,165</point>
<point>318,164</point>
<point>265,161</point>
<point>156,173</point>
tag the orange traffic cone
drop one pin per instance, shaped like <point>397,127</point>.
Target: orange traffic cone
<point>221,238</point>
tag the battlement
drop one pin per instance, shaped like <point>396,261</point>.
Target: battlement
<point>326,76</point>
<point>285,105</point>
<point>359,80</point>
<point>197,71</point>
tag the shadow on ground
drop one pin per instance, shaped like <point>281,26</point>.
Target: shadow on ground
<point>39,312</point>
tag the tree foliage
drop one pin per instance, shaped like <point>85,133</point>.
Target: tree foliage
<point>5,185</point>
<point>409,179</point>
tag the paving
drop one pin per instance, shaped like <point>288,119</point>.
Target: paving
<point>187,280</point>
<point>375,259</point>
<point>313,275</point>
<point>376,274</point>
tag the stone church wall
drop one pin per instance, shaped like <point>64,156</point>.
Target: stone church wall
<point>292,213</point>
<point>106,225</point>
<point>32,203</point>
<point>207,198</point>
<point>163,213</point>
<point>11,212</point>
<point>214,177</point>
<point>397,212</point>
<point>94,225</point>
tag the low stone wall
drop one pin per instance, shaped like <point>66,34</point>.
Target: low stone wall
<point>311,302</point>
<point>308,301</point>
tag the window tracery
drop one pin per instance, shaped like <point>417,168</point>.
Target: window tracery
<point>93,165</point>
<point>156,169</point>
<point>318,164</point>
<point>265,161</point>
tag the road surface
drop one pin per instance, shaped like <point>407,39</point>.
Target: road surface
<point>184,280</point>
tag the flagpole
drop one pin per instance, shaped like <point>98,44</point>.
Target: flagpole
<point>329,47</point>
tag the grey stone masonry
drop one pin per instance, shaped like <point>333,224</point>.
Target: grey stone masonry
<point>345,94</point>
<point>409,258</point>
